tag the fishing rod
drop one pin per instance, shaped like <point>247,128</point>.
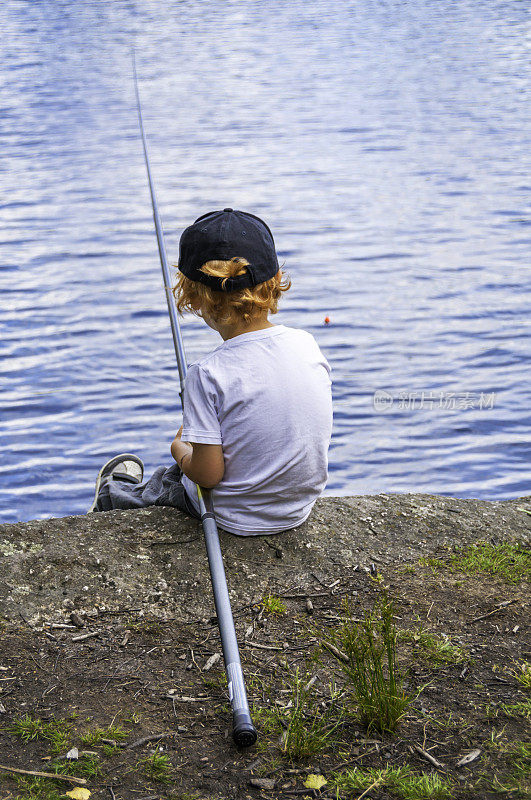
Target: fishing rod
<point>243,731</point>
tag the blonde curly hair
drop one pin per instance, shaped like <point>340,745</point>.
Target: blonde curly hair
<point>229,308</point>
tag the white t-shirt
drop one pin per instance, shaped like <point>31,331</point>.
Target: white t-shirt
<point>265,396</point>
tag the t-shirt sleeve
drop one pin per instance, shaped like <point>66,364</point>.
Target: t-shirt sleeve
<point>200,421</point>
<point>321,359</point>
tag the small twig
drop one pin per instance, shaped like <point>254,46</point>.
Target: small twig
<point>185,699</point>
<point>356,758</point>
<point>142,689</point>
<point>37,663</point>
<point>424,737</point>
<point>150,797</point>
<point>112,793</point>
<point>424,753</point>
<point>261,646</point>
<point>253,764</point>
<point>277,550</point>
<point>193,659</point>
<point>152,738</point>
<point>501,607</point>
<point>62,626</point>
<point>55,775</point>
<point>173,542</point>
<point>372,786</point>
<point>336,618</point>
<point>118,611</point>
<point>313,594</point>
<point>174,709</point>
<point>26,621</point>
<point>310,683</point>
<point>85,636</point>
<point>337,653</point>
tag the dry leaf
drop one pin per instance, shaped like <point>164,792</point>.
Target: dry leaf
<point>211,661</point>
<point>263,783</point>
<point>78,793</point>
<point>315,782</point>
<point>469,758</point>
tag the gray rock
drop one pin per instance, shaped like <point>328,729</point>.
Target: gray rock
<point>48,568</point>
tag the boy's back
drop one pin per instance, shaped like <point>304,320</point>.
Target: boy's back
<point>257,410</point>
<point>264,396</point>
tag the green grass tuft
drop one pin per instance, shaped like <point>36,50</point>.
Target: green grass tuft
<point>304,725</point>
<point>273,605</point>
<point>309,726</point>
<point>510,561</point>
<point>86,767</point>
<point>517,783</point>
<point>56,731</point>
<point>522,673</point>
<point>156,767</point>
<point>115,732</point>
<point>401,781</point>
<point>521,709</point>
<point>372,673</point>
<point>437,649</point>
<point>150,627</point>
<point>38,789</point>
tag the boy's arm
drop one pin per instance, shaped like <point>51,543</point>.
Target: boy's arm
<point>202,463</point>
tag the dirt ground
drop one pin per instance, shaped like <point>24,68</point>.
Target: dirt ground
<point>102,678</point>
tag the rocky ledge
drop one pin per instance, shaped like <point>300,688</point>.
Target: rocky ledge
<point>153,561</point>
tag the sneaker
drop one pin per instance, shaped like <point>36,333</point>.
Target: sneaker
<point>124,467</point>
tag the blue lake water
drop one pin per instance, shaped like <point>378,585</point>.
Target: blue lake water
<point>387,145</point>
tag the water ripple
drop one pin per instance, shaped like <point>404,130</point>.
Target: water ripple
<point>392,165</point>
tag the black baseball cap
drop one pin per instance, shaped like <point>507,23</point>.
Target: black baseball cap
<point>222,235</point>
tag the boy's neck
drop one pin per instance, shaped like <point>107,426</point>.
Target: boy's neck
<point>230,331</point>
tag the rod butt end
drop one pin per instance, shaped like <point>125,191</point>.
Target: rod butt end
<point>243,731</point>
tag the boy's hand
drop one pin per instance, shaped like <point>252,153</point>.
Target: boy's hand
<point>179,449</point>
<point>202,463</point>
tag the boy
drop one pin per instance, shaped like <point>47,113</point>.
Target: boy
<point>257,411</point>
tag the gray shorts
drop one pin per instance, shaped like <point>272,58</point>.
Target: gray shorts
<point>164,488</point>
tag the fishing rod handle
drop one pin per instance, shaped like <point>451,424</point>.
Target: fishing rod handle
<point>243,732</point>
